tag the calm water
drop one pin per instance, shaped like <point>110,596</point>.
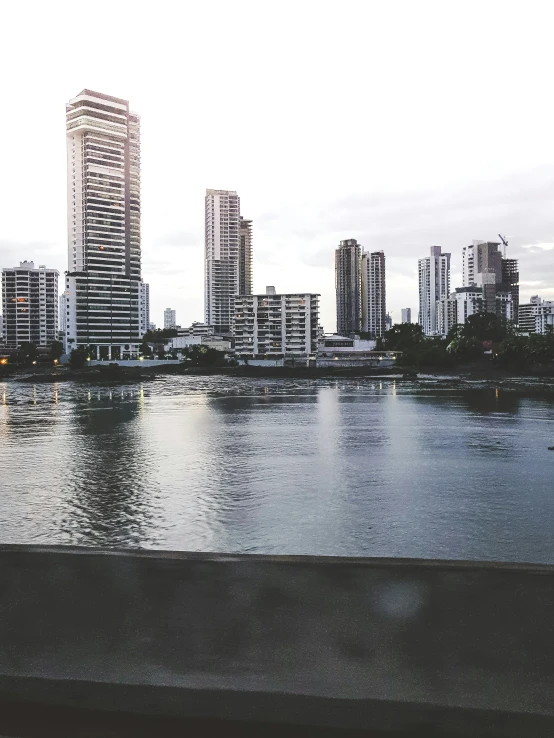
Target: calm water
<point>217,464</point>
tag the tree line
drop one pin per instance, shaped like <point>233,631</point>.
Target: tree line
<point>466,343</point>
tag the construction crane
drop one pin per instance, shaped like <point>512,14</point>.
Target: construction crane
<point>505,248</point>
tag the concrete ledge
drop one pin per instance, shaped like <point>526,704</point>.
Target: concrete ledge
<point>460,647</point>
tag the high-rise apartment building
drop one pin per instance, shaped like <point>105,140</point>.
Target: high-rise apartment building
<point>103,279</point>
<point>374,309</point>
<point>62,314</point>
<point>348,286</point>
<point>510,279</point>
<point>482,257</point>
<point>144,307</point>
<point>228,266</point>
<point>283,325</point>
<point>170,318</point>
<point>483,266</point>
<point>434,285</point>
<point>446,315</point>
<point>30,304</point>
<point>536,316</point>
<point>406,315</point>
<point>245,257</point>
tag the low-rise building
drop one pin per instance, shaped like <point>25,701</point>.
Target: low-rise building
<point>351,351</point>
<point>276,325</point>
<point>197,329</point>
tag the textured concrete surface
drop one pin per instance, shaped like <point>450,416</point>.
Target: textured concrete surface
<point>356,643</point>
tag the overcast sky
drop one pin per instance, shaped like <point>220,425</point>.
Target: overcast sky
<point>401,124</point>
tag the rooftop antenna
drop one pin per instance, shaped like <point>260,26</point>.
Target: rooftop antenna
<point>505,247</point>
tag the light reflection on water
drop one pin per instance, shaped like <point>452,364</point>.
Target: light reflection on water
<point>347,467</point>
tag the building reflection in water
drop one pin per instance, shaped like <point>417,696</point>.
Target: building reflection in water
<point>108,500</point>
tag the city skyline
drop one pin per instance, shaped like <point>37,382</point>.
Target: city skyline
<point>393,185</point>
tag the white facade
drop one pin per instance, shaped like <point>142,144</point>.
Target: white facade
<point>446,315</point>
<point>475,299</point>
<point>543,313</point>
<point>197,329</point>
<point>374,309</point>
<point>181,342</point>
<point>222,257</point>
<point>272,324</point>
<point>30,304</point>
<point>350,352</point>
<point>434,285</point>
<point>144,307</point>
<point>62,315</point>
<point>536,316</point>
<point>170,318</point>
<point>103,177</point>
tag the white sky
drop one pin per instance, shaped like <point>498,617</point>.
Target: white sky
<point>401,124</point>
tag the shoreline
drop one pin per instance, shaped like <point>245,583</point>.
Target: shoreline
<point>124,375</point>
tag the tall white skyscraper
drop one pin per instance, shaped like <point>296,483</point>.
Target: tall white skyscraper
<point>374,307</point>
<point>170,318</point>
<point>228,258</point>
<point>434,285</point>
<point>406,314</point>
<point>30,304</point>
<point>103,279</point>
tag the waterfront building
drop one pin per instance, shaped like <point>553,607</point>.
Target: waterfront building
<point>197,329</point>
<point>468,301</point>
<point>510,278</point>
<point>62,314</point>
<point>228,257</point>
<point>144,307</point>
<point>351,351</point>
<point>526,315</point>
<point>434,285</point>
<point>104,242</point>
<point>276,325</point>
<point>543,313</point>
<point>245,257</point>
<point>374,310</point>
<point>480,299</point>
<point>446,315</point>
<point>30,304</point>
<point>481,257</point>
<point>483,265</point>
<point>406,315</point>
<point>348,283</point>
<point>170,318</point>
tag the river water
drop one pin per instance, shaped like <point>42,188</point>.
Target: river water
<point>349,467</point>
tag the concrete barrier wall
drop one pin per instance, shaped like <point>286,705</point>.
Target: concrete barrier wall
<point>321,641</point>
